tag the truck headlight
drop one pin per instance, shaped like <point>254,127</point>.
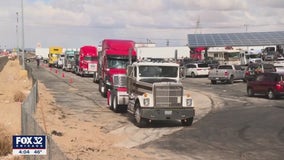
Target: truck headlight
<point>146,101</point>
<point>188,102</point>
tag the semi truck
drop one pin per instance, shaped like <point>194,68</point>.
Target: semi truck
<point>86,61</point>
<point>54,54</point>
<point>68,60</point>
<point>113,60</point>
<point>43,53</point>
<point>156,93</point>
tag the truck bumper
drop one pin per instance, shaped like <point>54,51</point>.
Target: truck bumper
<point>219,78</point>
<point>167,113</point>
<point>88,72</point>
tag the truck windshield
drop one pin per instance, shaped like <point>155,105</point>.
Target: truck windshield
<point>158,71</point>
<point>90,58</point>
<point>117,63</point>
<point>69,57</point>
<point>252,56</point>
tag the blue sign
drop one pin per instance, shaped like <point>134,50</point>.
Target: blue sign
<point>29,145</point>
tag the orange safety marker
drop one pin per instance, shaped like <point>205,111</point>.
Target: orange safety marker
<point>70,80</point>
<point>63,75</point>
<point>50,69</point>
<point>56,71</point>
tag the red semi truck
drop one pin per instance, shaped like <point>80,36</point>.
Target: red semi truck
<point>113,61</point>
<point>86,61</point>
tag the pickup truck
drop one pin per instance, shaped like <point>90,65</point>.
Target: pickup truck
<point>226,73</point>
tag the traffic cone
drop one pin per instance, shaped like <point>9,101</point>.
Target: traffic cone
<point>70,80</point>
<point>63,75</point>
<point>56,71</point>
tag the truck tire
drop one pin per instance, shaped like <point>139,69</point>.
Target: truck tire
<point>187,121</point>
<point>231,80</point>
<point>114,103</point>
<point>139,121</point>
<point>102,89</point>
<point>110,102</point>
<point>250,92</point>
<point>193,75</point>
<point>271,94</point>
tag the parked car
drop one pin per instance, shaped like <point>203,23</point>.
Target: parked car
<point>279,62</point>
<point>270,84</point>
<point>253,69</point>
<point>196,69</point>
<point>226,73</point>
<point>270,56</point>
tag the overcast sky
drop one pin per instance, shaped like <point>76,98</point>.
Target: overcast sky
<point>74,23</point>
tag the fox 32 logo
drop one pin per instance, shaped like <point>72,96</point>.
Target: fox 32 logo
<point>29,143</point>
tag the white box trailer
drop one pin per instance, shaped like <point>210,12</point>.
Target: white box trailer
<point>43,53</point>
<point>162,52</point>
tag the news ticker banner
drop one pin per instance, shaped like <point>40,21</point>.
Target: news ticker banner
<point>29,145</point>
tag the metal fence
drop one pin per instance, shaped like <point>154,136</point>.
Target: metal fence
<point>31,127</point>
<point>3,61</point>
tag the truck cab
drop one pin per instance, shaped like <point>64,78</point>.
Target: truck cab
<point>113,60</point>
<point>156,93</point>
<point>68,60</point>
<point>54,55</point>
<point>86,61</point>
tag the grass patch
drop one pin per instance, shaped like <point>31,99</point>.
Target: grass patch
<point>5,142</point>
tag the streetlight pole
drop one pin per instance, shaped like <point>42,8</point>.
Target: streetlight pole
<point>23,35</point>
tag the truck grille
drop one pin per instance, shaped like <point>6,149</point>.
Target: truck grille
<point>168,95</point>
<point>119,80</point>
<point>92,67</point>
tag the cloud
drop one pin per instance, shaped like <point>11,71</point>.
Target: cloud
<point>75,22</point>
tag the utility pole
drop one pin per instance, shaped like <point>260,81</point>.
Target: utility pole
<point>246,26</point>
<point>168,43</point>
<point>197,27</point>
<point>23,35</point>
<point>17,33</point>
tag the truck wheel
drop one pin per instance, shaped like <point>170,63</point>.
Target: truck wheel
<point>139,121</point>
<point>102,89</point>
<point>213,81</point>
<point>231,80</point>
<point>28,60</point>
<point>110,102</point>
<point>193,75</point>
<point>115,106</point>
<point>187,121</point>
<point>250,92</point>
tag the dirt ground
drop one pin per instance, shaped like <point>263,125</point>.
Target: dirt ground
<point>77,139</point>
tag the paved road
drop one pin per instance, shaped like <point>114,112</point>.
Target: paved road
<point>244,128</point>
<point>237,127</point>
<point>80,95</point>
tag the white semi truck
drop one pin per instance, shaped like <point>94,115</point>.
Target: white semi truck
<point>156,93</point>
<point>43,53</point>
